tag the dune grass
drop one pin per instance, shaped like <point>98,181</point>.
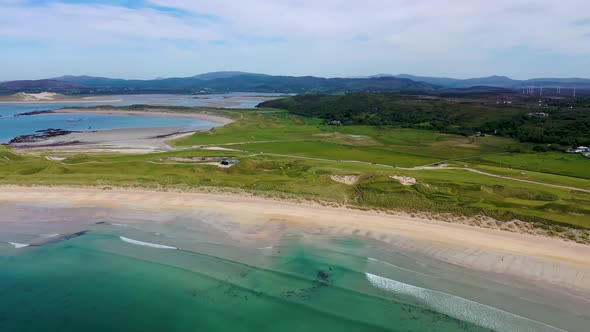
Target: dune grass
<point>282,170</point>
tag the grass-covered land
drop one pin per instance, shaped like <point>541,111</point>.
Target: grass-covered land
<point>280,132</point>
<point>286,155</point>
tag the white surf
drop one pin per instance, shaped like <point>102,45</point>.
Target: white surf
<point>146,244</point>
<point>461,308</point>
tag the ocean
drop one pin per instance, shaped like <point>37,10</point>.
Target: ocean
<point>144,273</point>
<point>13,125</point>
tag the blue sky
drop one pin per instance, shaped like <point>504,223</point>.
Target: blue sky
<point>167,38</point>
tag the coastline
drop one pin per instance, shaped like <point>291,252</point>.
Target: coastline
<point>548,261</point>
<point>126,140</point>
<point>148,112</point>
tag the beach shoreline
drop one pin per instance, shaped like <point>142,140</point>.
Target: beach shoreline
<point>126,140</point>
<point>550,262</point>
<point>149,112</point>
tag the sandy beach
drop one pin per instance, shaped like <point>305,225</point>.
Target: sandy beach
<point>126,140</point>
<point>545,261</point>
<point>129,140</point>
<point>208,116</point>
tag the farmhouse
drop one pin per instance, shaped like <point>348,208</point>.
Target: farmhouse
<point>579,149</point>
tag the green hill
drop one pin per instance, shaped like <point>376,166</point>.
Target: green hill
<point>554,124</point>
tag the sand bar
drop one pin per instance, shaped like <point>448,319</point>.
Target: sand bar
<point>125,140</point>
<point>129,140</point>
<point>150,112</point>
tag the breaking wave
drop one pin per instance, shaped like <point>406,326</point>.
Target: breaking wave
<point>146,244</point>
<point>19,245</point>
<point>460,308</point>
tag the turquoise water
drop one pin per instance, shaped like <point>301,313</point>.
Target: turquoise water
<point>12,125</point>
<point>97,282</point>
<point>186,276</point>
<point>101,269</point>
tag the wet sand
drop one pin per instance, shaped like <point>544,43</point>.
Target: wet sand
<point>130,140</point>
<point>127,140</point>
<point>205,115</point>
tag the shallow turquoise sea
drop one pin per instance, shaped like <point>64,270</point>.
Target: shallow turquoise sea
<point>185,276</point>
<point>97,282</point>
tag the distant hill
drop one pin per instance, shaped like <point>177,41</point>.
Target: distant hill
<point>248,82</point>
<point>38,86</point>
<point>237,81</point>
<point>91,81</point>
<point>224,74</point>
<point>496,81</point>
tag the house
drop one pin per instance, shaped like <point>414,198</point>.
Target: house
<point>579,149</point>
<point>539,114</point>
<point>334,123</point>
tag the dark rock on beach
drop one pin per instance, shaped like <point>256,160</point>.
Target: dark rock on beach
<point>34,113</point>
<point>43,134</point>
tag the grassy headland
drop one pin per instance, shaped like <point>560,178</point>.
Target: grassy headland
<point>291,156</point>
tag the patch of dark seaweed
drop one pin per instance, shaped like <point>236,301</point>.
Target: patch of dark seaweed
<point>323,279</point>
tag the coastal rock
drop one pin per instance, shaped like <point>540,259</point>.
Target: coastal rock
<point>43,134</point>
<point>35,113</point>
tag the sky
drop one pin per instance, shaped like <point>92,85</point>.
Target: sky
<point>146,39</point>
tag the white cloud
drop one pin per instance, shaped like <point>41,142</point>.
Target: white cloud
<point>87,22</point>
<point>417,24</point>
<point>328,37</point>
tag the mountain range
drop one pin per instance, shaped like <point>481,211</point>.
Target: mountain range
<point>495,81</point>
<point>236,81</point>
<point>217,82</point>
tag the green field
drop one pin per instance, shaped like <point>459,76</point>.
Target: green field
<point>283,155</point>
<point>574,165</point>
<point>270,131</point>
